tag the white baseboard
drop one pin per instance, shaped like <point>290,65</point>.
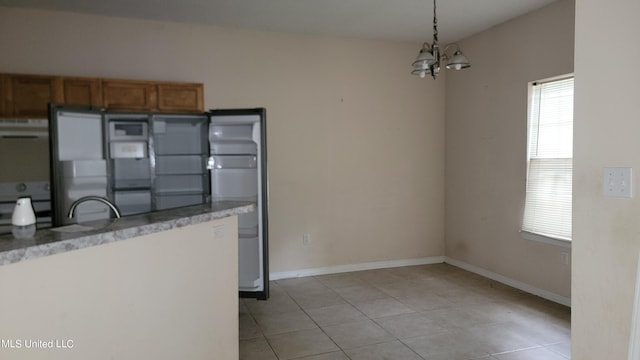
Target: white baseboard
<point>511,282</point>
<point>423,261</point>
<point>355,267</point>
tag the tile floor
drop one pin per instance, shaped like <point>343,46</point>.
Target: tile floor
<point>433,312</point>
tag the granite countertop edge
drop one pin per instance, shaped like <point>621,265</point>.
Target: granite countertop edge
<point>50,242</point>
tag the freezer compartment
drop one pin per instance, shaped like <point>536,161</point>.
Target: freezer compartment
<point>131,173</point>
<point>133,202</point>
<point>164,202</point>
<point>76,188</point>
<point>234,184</point>
<point>180,164</point>
<point>91,210</point>
<point>180,135</point>
<point>81,178</point>
<point>180,184</point>
<point>83,168</point>
<point>250,263</point>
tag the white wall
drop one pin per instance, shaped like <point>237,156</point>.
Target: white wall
<point>486,138</point>
<point>606,230</point>
<point>355,143</point>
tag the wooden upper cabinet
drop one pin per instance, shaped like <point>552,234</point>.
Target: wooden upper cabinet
<point>81,91</point>
<point>4,101</point>
<point>29,95</point>
<point>180,97</point>
<point>129,95</point>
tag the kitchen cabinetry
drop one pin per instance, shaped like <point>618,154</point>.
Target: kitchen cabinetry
<point>129,95</point>
<point>28,96</point>
<point>81,91</point>
<point>180,97</point>
<point>152,96</point>
<point>3,100</point>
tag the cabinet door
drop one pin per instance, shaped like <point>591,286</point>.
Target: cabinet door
<point>129,95</point>
<point>180,97</point>
<point>4,98</point>
<point>82,91</point>
<point>29,95</point>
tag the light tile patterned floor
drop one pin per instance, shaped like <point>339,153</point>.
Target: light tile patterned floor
<point>432,312</point>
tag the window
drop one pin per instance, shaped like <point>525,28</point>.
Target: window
<point>547,212</point>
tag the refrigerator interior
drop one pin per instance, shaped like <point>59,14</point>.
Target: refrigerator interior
<point>179,148</point>
<point>237,148</point>
<point>78,164</point>
<point>146,162</point>
<point>128,154</point>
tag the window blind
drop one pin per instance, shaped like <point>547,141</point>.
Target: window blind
<point>550,160</point>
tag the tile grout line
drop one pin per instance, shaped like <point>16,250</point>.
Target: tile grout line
<point>379,286</point>
<point>318,325</point>
<point>372,319</point>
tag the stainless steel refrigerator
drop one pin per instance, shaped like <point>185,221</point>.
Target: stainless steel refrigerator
<point>147,162</point>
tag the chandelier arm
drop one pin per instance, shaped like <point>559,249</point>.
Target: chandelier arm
<point>446,48</point>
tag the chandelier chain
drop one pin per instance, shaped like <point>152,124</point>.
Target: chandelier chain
<point>435,23</point>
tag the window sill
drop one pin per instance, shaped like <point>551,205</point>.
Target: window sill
<point>545,239</point>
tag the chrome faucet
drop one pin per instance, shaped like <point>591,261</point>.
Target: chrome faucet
<point>75,204</point>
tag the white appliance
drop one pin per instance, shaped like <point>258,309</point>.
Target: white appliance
<point>163,161</point>
<point>24,169</point>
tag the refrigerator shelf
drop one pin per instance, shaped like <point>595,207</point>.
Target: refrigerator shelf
<point>169,201</point>
<point>180,164</point>
<point>180,135</point>
<point>131,188</point>
<point>179,193</point>
<point>226,162</point>
<point>163,154</point>
<point>143,183</point>
<point>180,183</point>
<point>253,199</point>
<point>247,233</point>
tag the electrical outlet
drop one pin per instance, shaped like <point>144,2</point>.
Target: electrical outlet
<point>564,258</point>
<point>306,239</point>
<point>617,182</point>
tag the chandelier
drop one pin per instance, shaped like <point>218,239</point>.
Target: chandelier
<point>430,57</point>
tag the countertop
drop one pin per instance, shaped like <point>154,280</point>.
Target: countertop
<point>51,241</point>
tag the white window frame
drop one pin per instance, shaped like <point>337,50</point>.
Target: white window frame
<point>532,234</point>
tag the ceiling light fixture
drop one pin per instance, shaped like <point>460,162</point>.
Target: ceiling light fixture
<point>429,57</point>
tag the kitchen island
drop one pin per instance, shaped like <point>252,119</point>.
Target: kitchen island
<point>155,286</point>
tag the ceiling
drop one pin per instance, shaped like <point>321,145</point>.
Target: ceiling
<point>397,20</point>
